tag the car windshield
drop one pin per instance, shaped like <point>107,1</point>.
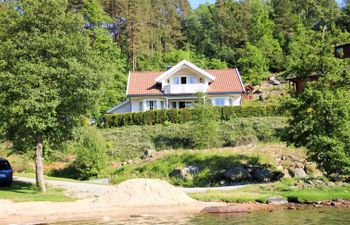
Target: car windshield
<point>4,165</point>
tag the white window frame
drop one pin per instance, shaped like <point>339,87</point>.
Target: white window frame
<point>176,80</point>
<point>157,104</point>
<point>227,101</point>
<point>192,79</point>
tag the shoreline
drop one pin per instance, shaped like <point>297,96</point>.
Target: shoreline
<point>48,212</point>
<point>145,198</point>
<point>83,210</point>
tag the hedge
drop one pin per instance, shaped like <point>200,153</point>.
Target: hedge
<point>185,115</point>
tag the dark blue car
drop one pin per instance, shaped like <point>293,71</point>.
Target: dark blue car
<point>6,173</point>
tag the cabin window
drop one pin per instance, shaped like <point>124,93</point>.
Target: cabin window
<point>339,52</point>
<point>183,80</point>
<point>176,80</point>
<point>193,80</point>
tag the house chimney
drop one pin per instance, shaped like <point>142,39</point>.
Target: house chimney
<point>168,68</point>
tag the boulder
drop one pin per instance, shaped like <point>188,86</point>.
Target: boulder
<point>262,175</point>
<point>148,154</point>
<point>182,173</point>
<point>191,170</point>
<point>178,173</point>
<point>245,140</point>
<point>279,168</point>
<point>311,169</point>
<point>277,201</point>
<point>297,172</point>
<point>225,209</point>
<point>237,174</point>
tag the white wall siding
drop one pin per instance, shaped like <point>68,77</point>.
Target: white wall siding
<point>135,105</point>
<point>237,100</point>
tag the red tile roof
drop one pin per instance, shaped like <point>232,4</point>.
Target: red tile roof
<point>143,83</point>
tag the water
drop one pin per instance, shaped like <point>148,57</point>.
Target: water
<point>324,216</point>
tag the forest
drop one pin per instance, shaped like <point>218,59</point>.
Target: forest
<point>63,62</point>
<point>258,37</point>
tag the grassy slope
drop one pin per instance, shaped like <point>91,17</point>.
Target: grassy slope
<point>285,188</point>
<point>209,161</point>
<point>25,192</point>
<point>130,142</point>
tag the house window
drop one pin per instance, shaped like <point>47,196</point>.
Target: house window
<point>173,105</point>
<point>162,104</point>
<point>193,80</point>
<point>182,105</point>
<point>201,80</point>
<point>176,80</point>
<point>220,101</point>
<point>141,106</point>
<point>188,105</point>
<point>151,105</point>
<point>183,80</point>
<point>230,101</point>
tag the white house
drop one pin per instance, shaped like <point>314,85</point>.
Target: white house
<point>177,87</point>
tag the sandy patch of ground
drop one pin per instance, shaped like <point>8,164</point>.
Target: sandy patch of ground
<point>130,198</point>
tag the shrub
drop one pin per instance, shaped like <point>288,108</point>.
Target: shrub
<point>321,122</point>
<point>206,129</point>
<point>223,113</point>
<point>91,150</point>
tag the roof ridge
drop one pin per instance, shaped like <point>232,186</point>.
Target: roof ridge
<point>165,70</point>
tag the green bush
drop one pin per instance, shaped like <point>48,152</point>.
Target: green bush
<point>223,113</point>
<point>206,129</point>
<point>91,153</point>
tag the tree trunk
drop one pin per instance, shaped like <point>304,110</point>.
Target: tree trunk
<point>39,169</point>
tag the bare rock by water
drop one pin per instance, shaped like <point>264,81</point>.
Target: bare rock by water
<point>277,201</point>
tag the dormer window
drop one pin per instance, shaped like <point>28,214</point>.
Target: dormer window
<point>176,80</point>
<point>193,79</point>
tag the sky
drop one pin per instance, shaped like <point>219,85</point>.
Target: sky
<point>195,3</point>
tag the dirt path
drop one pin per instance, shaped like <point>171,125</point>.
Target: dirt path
<point>87,190</point>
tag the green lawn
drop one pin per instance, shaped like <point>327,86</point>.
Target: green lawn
<point>25,192</point>
<point>32,175</point>
<point>284,188</point>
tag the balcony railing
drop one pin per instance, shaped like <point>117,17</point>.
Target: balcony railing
<point>185,88</point>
